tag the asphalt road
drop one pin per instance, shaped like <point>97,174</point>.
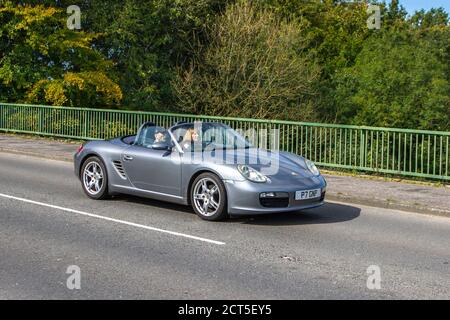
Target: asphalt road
<point>131,248</point>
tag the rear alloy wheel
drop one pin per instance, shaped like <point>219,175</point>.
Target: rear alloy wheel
<point>94,179</point>
<point>209,198</point>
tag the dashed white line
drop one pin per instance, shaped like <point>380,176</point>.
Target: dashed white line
<point>137,225</point>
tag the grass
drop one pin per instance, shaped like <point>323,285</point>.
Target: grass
<point>386,177</point>
<point>46,138</point>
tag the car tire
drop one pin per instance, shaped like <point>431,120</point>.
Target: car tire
<point>94,178</point>
<point>215,197</point>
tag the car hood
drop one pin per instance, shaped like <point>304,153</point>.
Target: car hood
<point>278,166</point>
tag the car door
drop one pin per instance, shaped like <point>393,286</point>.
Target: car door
<point>153,170</point>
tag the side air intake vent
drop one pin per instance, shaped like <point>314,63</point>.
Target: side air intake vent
<point>119,168</point>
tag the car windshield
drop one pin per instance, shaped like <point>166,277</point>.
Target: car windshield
<point>203,136</point>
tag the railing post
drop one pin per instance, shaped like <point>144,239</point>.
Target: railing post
<point>41,127</point>
<point>362,146</point>
<point>85,116</point>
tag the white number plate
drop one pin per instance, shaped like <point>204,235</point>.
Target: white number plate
<point>307,194</point>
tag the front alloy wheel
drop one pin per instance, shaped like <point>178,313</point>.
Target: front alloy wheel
<point>209,197</point>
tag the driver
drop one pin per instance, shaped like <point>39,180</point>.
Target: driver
<point>160,136</point>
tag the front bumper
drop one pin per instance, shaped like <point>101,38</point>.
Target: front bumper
<point>244,196</point>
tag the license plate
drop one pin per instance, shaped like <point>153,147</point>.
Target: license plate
<point>307,194</point>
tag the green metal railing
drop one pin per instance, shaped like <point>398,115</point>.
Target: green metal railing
<point>405,152</point>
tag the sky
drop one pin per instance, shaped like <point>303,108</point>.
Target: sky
<point>413,5</point>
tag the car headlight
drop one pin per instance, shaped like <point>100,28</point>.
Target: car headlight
<point>251,174</point>
<point>312,167</point>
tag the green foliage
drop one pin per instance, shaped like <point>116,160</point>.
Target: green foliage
<point>336,31</point>
<point>146,40</point>
<point>312,60</point>
<point>253,66</point>
<point>39,56</point>
<point>429,19</point>
<point>397,81</point>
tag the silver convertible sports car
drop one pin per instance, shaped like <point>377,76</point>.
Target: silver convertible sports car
<point>207,165</point>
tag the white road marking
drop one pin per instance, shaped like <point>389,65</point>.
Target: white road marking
<point>137,225</point>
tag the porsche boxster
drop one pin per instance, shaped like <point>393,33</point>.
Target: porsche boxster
<point>207,165</point>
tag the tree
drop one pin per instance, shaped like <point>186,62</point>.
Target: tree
<point>253,66</point>
<point>394,15</point>
<point>427,19</point>
<point>42,61</point>
<point>147,40</point>
<point>336,31</point>
<point>399,80</point>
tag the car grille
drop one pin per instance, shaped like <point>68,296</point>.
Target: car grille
<point>274,202</point>
<point>119,168</point>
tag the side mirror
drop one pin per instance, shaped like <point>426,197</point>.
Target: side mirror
<point>162,146</point>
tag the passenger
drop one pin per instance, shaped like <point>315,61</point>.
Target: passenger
<point>190,137</point>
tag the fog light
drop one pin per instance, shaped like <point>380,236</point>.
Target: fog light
<point>267,195</point>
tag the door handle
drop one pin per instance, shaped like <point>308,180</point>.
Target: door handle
<point>127,157</point>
